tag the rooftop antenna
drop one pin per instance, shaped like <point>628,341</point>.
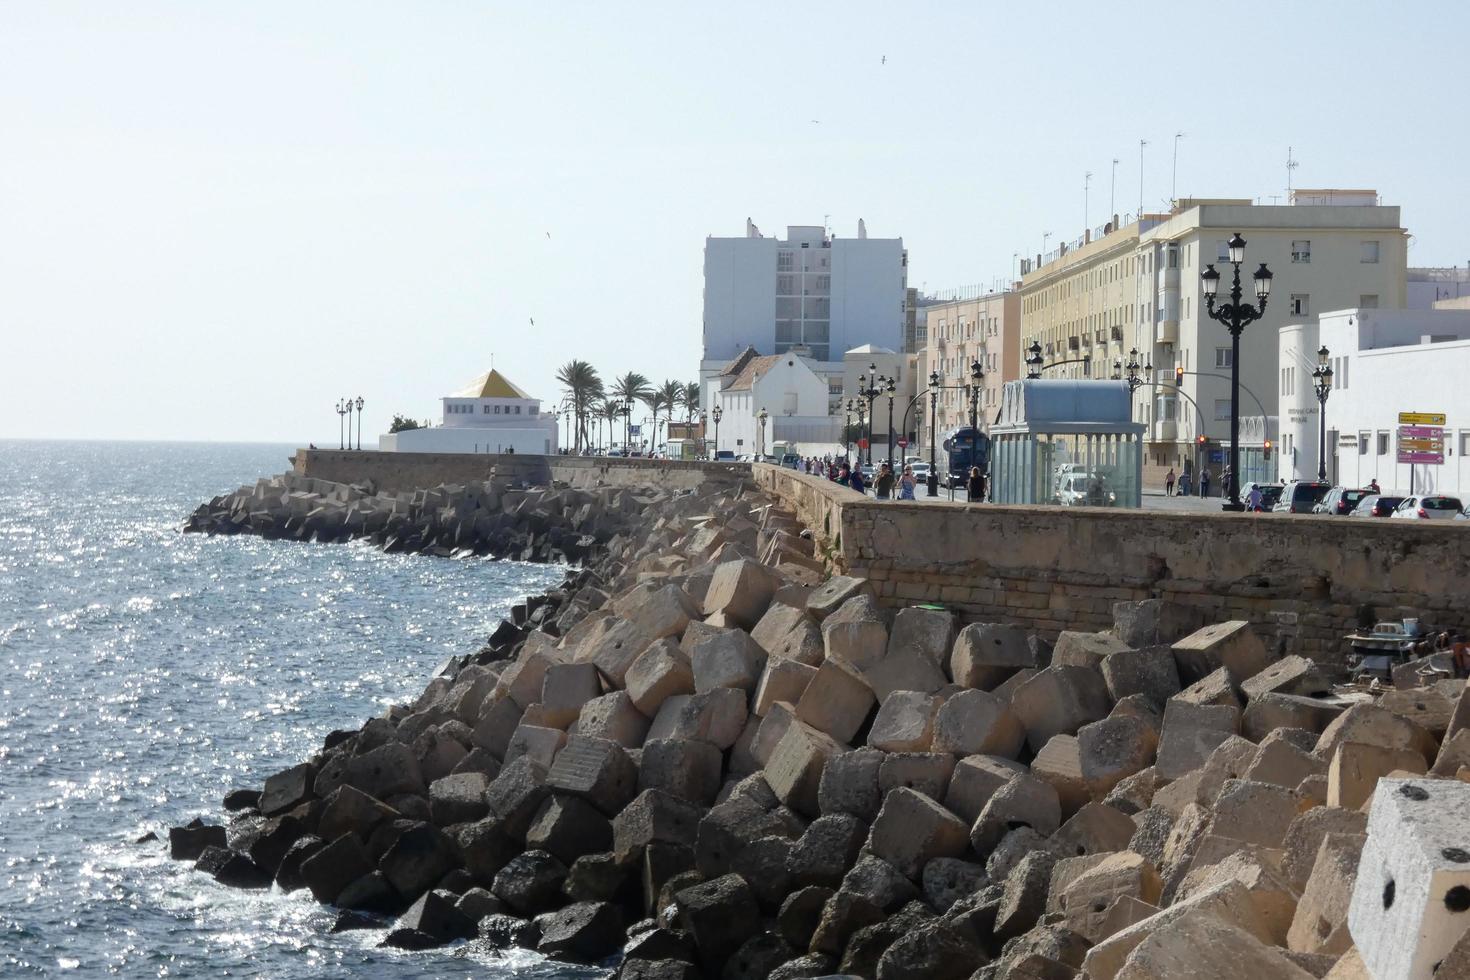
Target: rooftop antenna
<point>1291,165</point>
<point>1174,179</point>
<point>1113,192</point>
<point>1086,188</point>
<point>827,224</point>
<point>1141,145</point>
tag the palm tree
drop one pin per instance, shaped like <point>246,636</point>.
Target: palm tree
<point>689,398</point>
<point>584,387</point>
<point>669,394</point>
<point>629,388</point>
<point>608,412</point>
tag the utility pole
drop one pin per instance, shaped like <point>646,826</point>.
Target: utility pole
<point>1141,145</point>
<point>1174,179</point>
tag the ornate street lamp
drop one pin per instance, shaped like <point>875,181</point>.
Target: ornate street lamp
<point>1034,361</point>
<point>359,422</point>
<point>717,413</point>
<point>847,414</point>
<point>1322,378</point>
<point>889,389</point>
<point>977,375</point>
<point>933,480</point>
<point>1236,315</point>
<point>341,411</point>
<point>762,419</point>
<point>704,432</point>
<point>870,385</point>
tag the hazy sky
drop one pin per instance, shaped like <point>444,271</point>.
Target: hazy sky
<point>217,218</point>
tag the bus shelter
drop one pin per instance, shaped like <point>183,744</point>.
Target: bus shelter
<point>1069,442</point>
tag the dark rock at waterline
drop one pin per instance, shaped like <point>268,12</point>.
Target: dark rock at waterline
<point>186,843</point>
<point>288,789</point>
<point>242,799</point>
<point>233,869</point>
<point>147,838</point>
<point>288,871</point>
<point>434,915</point>
<point>348,921</point>
<point>583,932</point>
<point>335,866</point>
<point>370,893</point>
<point>501,931</point>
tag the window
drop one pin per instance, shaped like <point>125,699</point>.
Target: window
<point>1343,373</point>
<point>1363,438</point>
<point>1222,251</point>
<point>1300,305</point>
<point>1368,252</point>
<point>1383,443</point>
<point>533,410</point>
<point>1173,257</point>
<point>1465,443</point>
<point>1222,357</point>
<point>1222,408</point>
<point>486,409</point>
<point>518,409</point>
<point>1301,251</point>
<point>1368,301</point>
<point>497,409</point>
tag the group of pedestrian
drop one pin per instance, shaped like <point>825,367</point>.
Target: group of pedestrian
<point>1185,483</point>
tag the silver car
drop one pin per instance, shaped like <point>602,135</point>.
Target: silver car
<point>1428,508</point>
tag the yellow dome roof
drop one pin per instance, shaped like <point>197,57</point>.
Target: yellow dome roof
<point>491,384</point>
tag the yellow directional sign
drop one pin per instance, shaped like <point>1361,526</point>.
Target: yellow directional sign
<point>1422,445</point>
<point>1421,418</point>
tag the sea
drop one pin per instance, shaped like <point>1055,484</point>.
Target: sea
<point>145,672</point>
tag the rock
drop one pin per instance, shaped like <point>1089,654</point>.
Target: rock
<point>538,743</point>
<point>479,903</point>
<point>288,871</point>
<point>436,915</point>
<point>232,869</point>
<point>1289,675</point>
<point>762,862</point>
<point>1076,649</point>
<point>832,594</point>
<point>530,882</point>
<point>782,680</point>
<point>1305,834</point>
<point>497,724</point>
<point>741,590</point>
<point>849,784</point>
<point>866,947</point>
<point>720,915</point>
<point>1256,812</point>
<point>613,717</point>
<point>801,913</point>
<point>583,932</point>
<point>924,772</point>
<point>1094,829</point>
<point>1152,621</point>
<point>1372,725</point>
<point>879,883</point>
<point>977,723</point>
<point>419,858</point>
<point>1058,701</point>
<point>287,790</point>
<point>1233,645</point>
<point>1087,899</point>
<point>242,799</point>
<point>569,827</point>
<point>458,799</point>
<point>826,850</point>
<point>1356,768</point>
<point>1278,761</point>
<point>795,770</point>
<point>271,847</point>
<point>757,958</point>
<point>1112,749</point>
<point>836,701</point>
<point>565,688</point>
<point>946,880</point>
<point>844,914</point>
<point>188,842</point>
<point>936,950</point>
<point>1202,946</point>
<point>1219,687</point>
<point>974,780</point>
<point>1272,711</point>
<point>334,867</point>
<point>985,654</point>
<point>507,932</point>
<point>386,771</point>
<point>597,770</point>
<point>599,878</point>
<point>688,770</point>
<point>349,810</point>
<point>1024,899</point>
<point>616,652</point>
<point>1150,671</point>
<point>717,717</point>
<point>1191,733</point>
<point>856,635</point>
<point>1014,846</point>
<point>729,658</point>
<point>660,672</point>
<point>655,816</point>
<point>664,612</point>
<point>485,846</point>
<point>905,722</point>
<point>810,965</point>
<point>930,632</point>
<point>1023,801</point>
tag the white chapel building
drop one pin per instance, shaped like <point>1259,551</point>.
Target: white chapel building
<point>489,415</point>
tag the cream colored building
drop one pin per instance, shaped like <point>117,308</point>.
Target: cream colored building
<point>985,328</point>
<point>1097,299</point>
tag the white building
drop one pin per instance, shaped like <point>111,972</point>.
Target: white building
<point>1383,362</point>
<point>489,415</point>
<point>809,292</point>
<point>1431,286</point>
<point>787,388</point>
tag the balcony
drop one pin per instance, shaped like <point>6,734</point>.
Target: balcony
<point>1167,332</point>
<point>1166,431</point>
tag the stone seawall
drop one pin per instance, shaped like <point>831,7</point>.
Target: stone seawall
<point>1301,580</point>
<point>399,472</point>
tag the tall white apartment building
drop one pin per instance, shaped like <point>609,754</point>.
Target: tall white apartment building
<point>810,293</point>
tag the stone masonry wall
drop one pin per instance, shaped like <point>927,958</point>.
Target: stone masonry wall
<point>394,472</point>
<point>1299,579</point>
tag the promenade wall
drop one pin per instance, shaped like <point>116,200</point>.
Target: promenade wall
<point>1300,579</point>
<point>396,472</point>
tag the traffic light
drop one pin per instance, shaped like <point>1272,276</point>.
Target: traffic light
<point>1268,449</point>
<point>1200,440</point>
<point>1179,377</point>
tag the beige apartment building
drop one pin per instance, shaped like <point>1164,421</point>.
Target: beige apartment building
<point>1139,287</point>
<point>986,328</point>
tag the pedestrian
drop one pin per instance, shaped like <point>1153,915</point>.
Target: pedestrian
<point>855,480</point>
<point>1204,483</point>
<point>906,484</point>
<point>1253,499</point>
<point>1184,484</point>
<point>883,486</point>
<point>1373,486</point>
<point>1227,482</point>
<point>975,486</point>
<point>1169,483</point>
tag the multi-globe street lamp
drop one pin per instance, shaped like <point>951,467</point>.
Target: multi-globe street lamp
<point>1034,360</point>
<point>1236,315</point>
<point>977,375</point>
<point>762,417</point>
<point>359,422</point>
<point>889,389</point>
<point>1322,384</point>
<point>870,386</point>
<point>341,413</point>
<point>717,413</point>
<point>848,411</point>
<point>933,481</point>
<point>627,426</point>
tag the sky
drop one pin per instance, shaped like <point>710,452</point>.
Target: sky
<point>217,219</point>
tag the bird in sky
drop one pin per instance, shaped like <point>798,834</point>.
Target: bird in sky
<point>817,121</point>
<point>548,234</point>
<point>884,61</point>
<point>533,321</point>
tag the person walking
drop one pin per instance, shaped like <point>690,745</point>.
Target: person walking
<point>1253,499</point>
<point>1204,483</point>
<point>883,486</point>
<point>1169,483</point>
<point>1227,482</point>
<point>855,480</point>
<point>906,484</point>
<point>975,486</point>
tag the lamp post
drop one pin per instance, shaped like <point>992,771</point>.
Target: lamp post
<point>888,389</point>
<point>359,422</point>
<point>703,433</point>
<point>933,480</point>
<point>627,426</point>
<point>717,413</point>
<point>869,386</point>
<point>1129,373</point>
<point>1034,361</point>
<point>340,412</point>
<point>847,413</point>
<point>1236,315</point>
<point>1322,378</point>
<point>761,418</point>
<point>977,375</point>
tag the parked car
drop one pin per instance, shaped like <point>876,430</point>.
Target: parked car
<point>725,455</point>
<point>1428,508</point>
<point>790,461</point>
<point>1270,495</point>
<point>1300,496</point>
<point>1084,490</point>
<point>921,471</point>
<point>1376,505</point>
<point>1340,501</point>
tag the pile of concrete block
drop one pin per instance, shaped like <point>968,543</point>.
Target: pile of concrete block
<point>716,760</point>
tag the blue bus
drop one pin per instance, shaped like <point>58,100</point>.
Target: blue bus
<point>966,447</point>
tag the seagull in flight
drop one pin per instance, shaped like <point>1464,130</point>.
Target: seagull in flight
<point>884,61</point>
<point>533,321</point>
<point>817,121</point>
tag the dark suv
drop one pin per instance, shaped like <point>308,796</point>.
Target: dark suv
<point>1340,501</point>
<point>1300,496</point>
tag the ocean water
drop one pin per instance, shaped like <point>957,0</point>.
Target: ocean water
<point>144,673</point>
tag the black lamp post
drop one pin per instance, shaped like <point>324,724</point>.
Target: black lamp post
<point>847,414</point>
<point>717,413</point>
<point>869,387</point>
<point>888,389</point>
<point>1130,373</point>
<point>1322,378</point>
<point>341,411</point>
<point>933,480</point>
<point>1236,315</point>
<point>359,422</point>
<point>1034,361</point>
<point>977,375</point>
<point>627,426</point>
<point>761,418</point>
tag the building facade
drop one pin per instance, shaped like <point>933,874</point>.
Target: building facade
<point>489,415</point>
<point>811,292</point>
<point>792,395</point>
<point>1383,362</point>
<point>986,328</point>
